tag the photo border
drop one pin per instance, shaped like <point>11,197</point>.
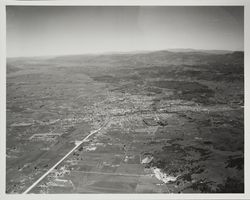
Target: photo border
<point>5,3</point>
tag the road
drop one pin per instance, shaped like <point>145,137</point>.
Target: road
<point>62,159</point>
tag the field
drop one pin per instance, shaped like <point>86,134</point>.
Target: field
<point>170,122</point>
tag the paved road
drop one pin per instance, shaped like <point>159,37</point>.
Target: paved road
<point>53,167</point>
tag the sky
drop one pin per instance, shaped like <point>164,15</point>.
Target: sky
<point>64,30</point>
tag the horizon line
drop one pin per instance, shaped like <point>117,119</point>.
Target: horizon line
<point>175,50</point>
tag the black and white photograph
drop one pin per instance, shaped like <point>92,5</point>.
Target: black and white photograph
<point>125,99</point>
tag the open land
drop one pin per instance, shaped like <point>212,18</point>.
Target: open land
<point>166,122</point>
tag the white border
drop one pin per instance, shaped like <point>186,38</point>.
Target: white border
<point>3,3</point>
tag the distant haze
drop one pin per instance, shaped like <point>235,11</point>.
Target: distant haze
<point>55,30</point>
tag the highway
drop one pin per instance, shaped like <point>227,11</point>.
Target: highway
<point>62,159</point>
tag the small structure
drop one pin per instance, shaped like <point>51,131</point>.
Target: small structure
<point>147,160</point>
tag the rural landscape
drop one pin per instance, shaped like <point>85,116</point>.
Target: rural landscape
<point>168,121</point>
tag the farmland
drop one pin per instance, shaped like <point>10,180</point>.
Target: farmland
<point>171,122</point>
